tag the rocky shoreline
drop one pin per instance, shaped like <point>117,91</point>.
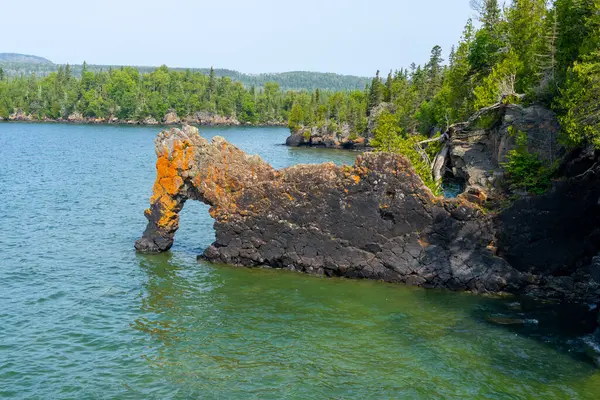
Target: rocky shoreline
<point>377,220</point>
<point>171,118</point>
<point>338,138</point>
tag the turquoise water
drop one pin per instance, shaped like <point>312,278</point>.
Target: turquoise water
<point>83,316</point>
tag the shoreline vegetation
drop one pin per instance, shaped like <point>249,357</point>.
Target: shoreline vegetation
<point>527,53</point>
<point>128,96</point>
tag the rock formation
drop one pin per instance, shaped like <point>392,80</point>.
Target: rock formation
<point>210,119</point>
<point>149,121</point>
<point>327,136</point>
<point>19,115</point>
<point>75,117</point>
<point>171,118</point>
<point>373,220</point>
<point>331,135</point>
<point>477,152</point>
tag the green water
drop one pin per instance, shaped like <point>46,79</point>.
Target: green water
<point>83,316</point>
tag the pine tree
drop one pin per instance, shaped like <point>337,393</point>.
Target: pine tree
<point>547,55</point>
<point>375,92</point>
<point>434,71</point>
<point>525,34</point>
<point>388,87</point>
<point>296,117</point>
<point>573,33</point>
<point>489,12</point>
<point>212,84</point>
<point>387,132</point>
<point>67,73</point>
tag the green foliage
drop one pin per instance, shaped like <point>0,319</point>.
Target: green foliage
<point>499,83</point>
<point>296,117</point>
<point>525,171</point>
<point>407,147</point>
<point>389,138</point>
<point>387,132</point>
<point>127,94</point>
<point>548,53</point>
<point>376,92</point>
<point>525,35</point>
<point>580,119</point>
<point>486,121</point>
<point>296,80</point>
<point>484,51</point>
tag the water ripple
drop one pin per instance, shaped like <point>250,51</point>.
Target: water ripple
<point>83,316</point>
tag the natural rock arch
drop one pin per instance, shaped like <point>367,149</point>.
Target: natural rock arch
<point>375,219</point>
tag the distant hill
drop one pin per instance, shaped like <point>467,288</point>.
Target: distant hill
<point>23,58</point>
<point>24,65</point>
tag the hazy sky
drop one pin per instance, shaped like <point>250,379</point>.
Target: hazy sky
<point>344,36</point>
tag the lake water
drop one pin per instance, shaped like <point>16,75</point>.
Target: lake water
<point>83,316</point>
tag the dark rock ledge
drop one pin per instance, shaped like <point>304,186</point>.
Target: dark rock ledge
<point>375,220</point>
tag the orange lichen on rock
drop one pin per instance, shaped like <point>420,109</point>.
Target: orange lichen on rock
<point>170,167</point>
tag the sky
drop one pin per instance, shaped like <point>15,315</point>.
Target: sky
<point>355,37</point>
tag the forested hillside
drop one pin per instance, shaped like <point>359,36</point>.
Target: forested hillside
<point>530,51</point>
<point>17,65</point>
<point>22,59</point>
<point>128,95</point>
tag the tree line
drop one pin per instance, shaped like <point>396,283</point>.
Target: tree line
<point>15,66</point>
<point>127,94</point>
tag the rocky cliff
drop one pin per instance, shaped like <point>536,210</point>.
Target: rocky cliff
<point>478,148</point>
<point>373,220</point>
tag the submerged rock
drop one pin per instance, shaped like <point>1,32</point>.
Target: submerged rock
<point>504,320</point>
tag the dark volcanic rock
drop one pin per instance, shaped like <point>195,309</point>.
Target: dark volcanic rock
<point>373,220</point>
<point>376,220</point>
<point>477,154</point>
<point>553,232</point>
<point>330,136</point>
